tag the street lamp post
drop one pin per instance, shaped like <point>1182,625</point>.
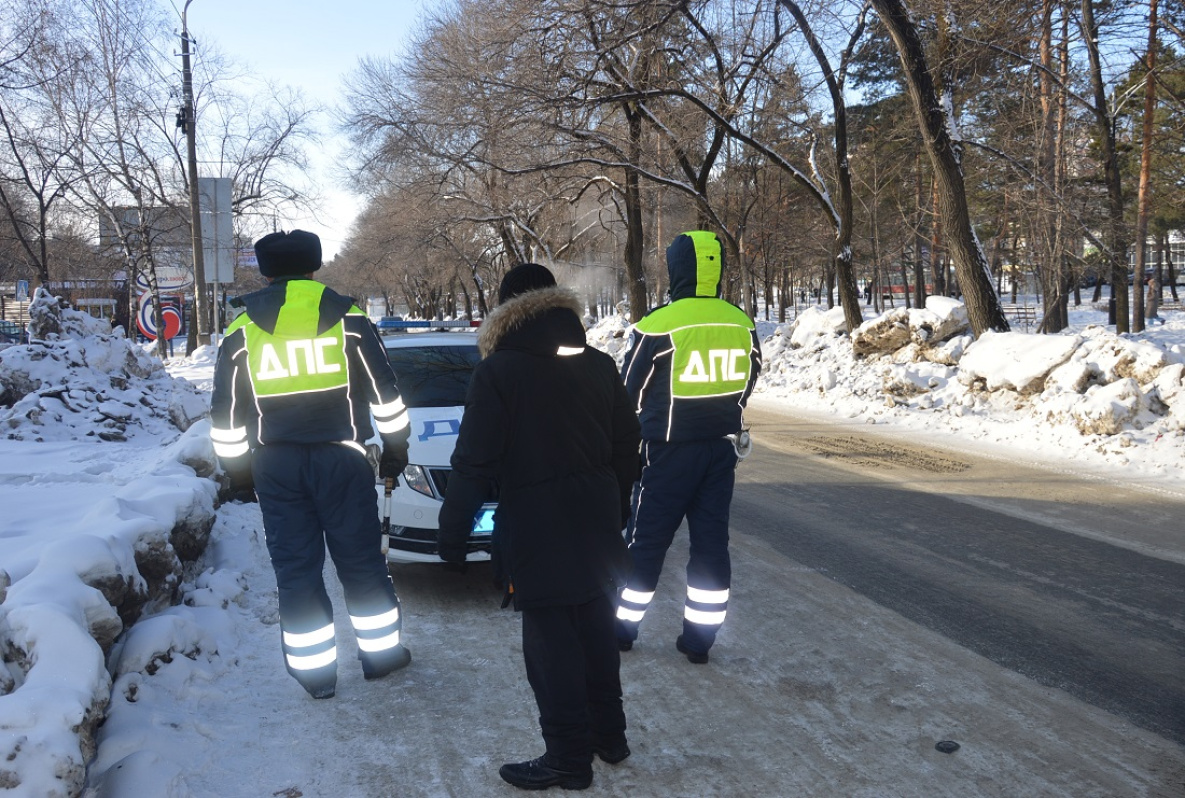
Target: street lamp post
<point>198,318</point>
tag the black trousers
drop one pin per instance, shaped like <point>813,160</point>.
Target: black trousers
<point>573,666</point>
<point>313,496</point>
<point>692,480</point>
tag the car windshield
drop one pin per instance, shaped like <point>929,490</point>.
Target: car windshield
<point>433,376</point>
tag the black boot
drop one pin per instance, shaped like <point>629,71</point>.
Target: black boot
<point>320,682</point>
<point>538,774</point>
<point>612,753</point>
<point>376,667</point>
<point>697,657</point>
<point>321,688</point>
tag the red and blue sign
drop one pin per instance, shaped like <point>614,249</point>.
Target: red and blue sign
<point>170,315</point>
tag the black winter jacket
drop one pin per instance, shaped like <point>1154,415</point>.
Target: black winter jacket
<point>549,424</point>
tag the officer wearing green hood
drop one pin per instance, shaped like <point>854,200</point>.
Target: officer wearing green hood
<point>690,369</point>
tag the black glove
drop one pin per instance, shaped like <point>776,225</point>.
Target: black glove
<point>244,495</point>
<point>240,485</point>
<point>392,463</point>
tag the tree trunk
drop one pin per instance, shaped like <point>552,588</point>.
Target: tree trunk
<point>635,277</point>
<point>1142,202</point>
<point>983,306</point>
<point>1115,239</point>
<point>1155,285</point>
<point>919,245</point>
<point>1050,262</point>
<point>1170,268</point>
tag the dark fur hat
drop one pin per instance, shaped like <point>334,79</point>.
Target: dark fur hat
<point>288,254</point>
<point>523,278</point>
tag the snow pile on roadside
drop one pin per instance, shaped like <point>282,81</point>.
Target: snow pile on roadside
<point>1112,400</point>
<point>82,380</point>
<point>102,476</point>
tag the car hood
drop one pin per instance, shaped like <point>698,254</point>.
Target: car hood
<point>433,435</point>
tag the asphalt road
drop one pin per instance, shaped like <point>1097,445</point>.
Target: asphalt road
<point>1104,623</point>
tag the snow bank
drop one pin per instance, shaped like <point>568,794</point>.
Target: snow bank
<point>110,455</point>
<point>1087,390</point>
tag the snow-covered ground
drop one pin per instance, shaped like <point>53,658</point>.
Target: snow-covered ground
<point>104,477</point>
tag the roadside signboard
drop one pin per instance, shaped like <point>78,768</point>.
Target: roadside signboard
<point>218,246</point>
<point>168,279</point>
<point>170,314</point>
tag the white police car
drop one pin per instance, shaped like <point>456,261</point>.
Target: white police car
<point>433,369</point>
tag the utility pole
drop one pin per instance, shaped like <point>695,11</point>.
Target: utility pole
<point>198,322</point>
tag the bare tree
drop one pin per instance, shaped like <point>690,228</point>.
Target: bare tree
<point>971,266</point>
<point>1115,240</point>
<point>34,171</point>
<point>1144,211</point>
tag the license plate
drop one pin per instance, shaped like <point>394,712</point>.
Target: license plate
<point>484,525</point>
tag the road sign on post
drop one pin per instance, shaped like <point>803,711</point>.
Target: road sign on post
<point>217,229</point>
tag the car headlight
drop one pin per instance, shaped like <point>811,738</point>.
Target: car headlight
<point>417,479</point>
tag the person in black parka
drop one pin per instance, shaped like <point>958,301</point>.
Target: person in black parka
<point>548,424</point>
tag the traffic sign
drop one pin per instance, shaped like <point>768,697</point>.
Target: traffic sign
<point>147,324</point>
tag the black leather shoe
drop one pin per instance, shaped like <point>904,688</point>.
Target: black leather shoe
<point>697,657</point>
<point>613,753</point>
<point>624,645</point>
<point>397,658</point>
<point>537,774</point>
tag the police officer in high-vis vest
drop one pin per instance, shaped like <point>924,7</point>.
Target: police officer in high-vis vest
<point>298,378</point>
<point>689,369</point>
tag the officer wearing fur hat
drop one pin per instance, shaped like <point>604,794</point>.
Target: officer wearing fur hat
<point>689,370</point>
<point>299,376</point>
<point>548,423</point>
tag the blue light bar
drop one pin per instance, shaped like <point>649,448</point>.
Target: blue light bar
<point>387,323</point>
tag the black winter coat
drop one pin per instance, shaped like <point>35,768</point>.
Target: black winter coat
<point>549,424</point>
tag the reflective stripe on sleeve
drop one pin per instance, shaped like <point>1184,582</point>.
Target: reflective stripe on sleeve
<point>390,416</point>
<point>392,424</point>
<point>229,441</point>
<point>228,435</point>
<point>230,449</point>
<point>389,409</point>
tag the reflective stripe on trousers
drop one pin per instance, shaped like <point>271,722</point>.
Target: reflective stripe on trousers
<point>377,633</point>
<point>632,604</point>
<point>307,651</point>
<point>705,607</point>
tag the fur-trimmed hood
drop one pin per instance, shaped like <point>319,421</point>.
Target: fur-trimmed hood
<point>537,321</point>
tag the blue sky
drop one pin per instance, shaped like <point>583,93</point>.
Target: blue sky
<point>309,45</point>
